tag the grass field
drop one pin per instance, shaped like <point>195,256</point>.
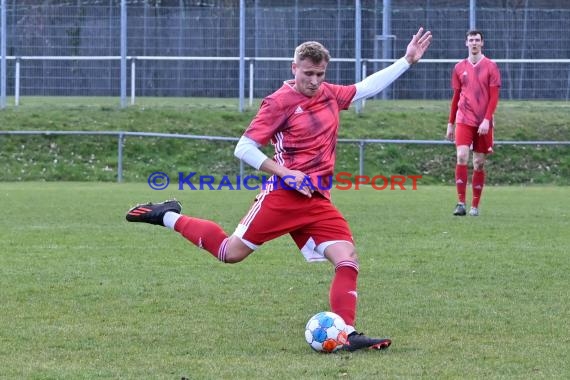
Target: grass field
<point>86,295</point>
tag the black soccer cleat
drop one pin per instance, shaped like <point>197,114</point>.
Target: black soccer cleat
<point>153,213</point>
<point>460,210</point>
<point>356,341</point>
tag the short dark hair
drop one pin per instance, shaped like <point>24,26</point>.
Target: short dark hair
<point>312,50</point>
<point>474,32</point>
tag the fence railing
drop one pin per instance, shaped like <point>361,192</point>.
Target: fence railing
<point>560,87</point>
<point>121,135</point>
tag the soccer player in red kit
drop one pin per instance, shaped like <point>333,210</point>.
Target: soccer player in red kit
<point>301,120</point>
<point>475,81</point>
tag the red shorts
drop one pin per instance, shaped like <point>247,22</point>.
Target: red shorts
<point>467,135</point>
<point>313,223</point>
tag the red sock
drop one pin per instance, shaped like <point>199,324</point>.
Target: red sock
<point>477,183</point>
<point>204,234</point>
<point>342,294</point>
<point>461,181</point>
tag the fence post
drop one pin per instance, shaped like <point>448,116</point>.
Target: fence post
<point>120,157</point>
<point>361,157</point>
<point>17,83</point>
<point>251,82</point>
<point>3,30</point>
<point>133,76</point>
<point>472,14</point>
<point>123,48</point>
<point>241,54</point>
<point>364,71</point>
<point>358,50</point>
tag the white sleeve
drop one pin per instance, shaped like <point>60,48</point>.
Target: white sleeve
<point>248,151</point>
<point>378,81</point>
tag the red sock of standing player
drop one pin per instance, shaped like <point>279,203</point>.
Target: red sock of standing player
<point>203,234</point>
<point>461,181</point>
<point>477,183</point>
<point>343,294</point>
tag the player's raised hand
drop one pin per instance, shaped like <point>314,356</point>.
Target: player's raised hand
<point>418,46</point>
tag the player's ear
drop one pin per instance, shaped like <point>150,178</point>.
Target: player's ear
<point>293,68</point>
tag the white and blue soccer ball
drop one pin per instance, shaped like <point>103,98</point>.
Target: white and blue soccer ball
<point>326,332</point>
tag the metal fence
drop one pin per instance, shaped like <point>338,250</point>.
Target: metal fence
<point>361,143</point>
<point>223,48</point>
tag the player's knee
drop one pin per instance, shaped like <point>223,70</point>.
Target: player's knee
<point>229,259</point>
<point>462,156</point>
<point>348,255</point>
<point>342,251</point>
<point>462,161</point>
<point>478,163</point>
<point>354,255</point>
<point>235,251</point>
<point>234,256</point>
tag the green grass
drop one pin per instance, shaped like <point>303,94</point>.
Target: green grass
<point>86,295</point>
<point>89,158</point>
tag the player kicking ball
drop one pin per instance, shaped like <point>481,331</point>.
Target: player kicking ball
<point>301,119</point>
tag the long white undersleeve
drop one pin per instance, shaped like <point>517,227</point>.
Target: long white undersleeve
<point>378,81</point>
<point>248,151</point>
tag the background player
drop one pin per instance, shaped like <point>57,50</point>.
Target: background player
<point>475,81</point>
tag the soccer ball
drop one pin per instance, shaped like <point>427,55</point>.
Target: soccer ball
<point>326,332</point>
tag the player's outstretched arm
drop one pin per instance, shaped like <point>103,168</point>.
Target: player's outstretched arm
<point>378,81</point>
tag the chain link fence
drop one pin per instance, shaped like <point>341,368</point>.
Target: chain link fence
<point>192,48</point>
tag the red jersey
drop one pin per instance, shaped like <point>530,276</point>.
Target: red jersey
<point>473,81</point>
<point>303,129</point>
